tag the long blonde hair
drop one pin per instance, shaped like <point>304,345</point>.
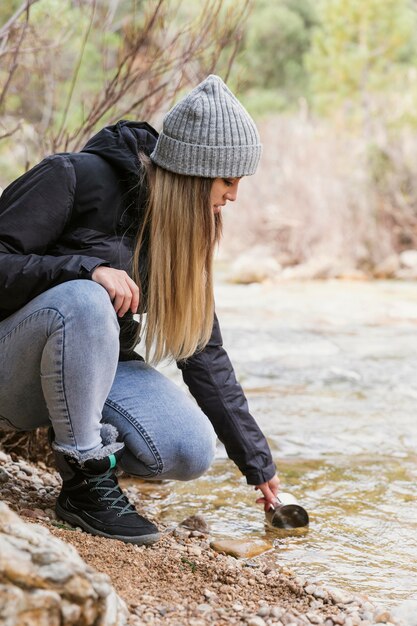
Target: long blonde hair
<point>180,232</point>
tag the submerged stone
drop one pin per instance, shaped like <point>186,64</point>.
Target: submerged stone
<point>196,523</point>
<point>241,548</point>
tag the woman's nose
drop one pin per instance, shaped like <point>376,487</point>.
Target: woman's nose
<point>231,195</point>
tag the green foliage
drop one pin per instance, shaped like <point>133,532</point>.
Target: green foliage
<point>7,8</point>
<point>277,36</point>
<point>262,102</point>
<point>360,49</point>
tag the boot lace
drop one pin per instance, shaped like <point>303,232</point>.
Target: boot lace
<point>109,491</point>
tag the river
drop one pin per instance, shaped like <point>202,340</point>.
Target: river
<point>330,371</point>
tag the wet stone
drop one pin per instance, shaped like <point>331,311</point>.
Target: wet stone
<point>196,523</point>
<point>240,548</point>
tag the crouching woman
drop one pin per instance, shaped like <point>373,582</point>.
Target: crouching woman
<point>127,225</point>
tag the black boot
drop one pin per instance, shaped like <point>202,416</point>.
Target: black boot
<point>91,497</point>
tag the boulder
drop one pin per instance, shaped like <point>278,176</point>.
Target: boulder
<point>407,273</point>
<point>44,581</point>
<point>314,268</point>
<point>408,258</point>
<point>387,267</point>
<point>255,266</point>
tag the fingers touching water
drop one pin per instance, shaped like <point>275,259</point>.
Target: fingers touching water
<point>270,491</point>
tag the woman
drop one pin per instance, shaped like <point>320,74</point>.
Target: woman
<point>128,225</point>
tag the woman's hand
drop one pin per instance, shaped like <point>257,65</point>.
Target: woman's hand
<point>270,492</point>
<point>123,292</point>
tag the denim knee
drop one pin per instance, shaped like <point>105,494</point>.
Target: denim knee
<point>88,304</point>
<point>189,453</point>
<point>194,455</point>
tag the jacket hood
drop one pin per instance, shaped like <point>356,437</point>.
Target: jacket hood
<point>119,144</point>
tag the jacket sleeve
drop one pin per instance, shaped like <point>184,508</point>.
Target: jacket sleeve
<point>210,378</point>
<point>34,211</point>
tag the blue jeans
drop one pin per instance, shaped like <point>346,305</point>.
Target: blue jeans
<point>59,365</point>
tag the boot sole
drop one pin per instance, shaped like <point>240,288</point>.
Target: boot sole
<point>140,540</point>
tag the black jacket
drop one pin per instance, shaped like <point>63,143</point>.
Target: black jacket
<point>75,211</point>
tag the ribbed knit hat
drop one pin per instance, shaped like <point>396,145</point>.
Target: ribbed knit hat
<point>208,133</point>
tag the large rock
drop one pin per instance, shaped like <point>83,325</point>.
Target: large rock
<point>44,581</point>
<point>387,267</point>
<point>407,273</point>
<point>321,268</point>
<point>314,268</point>
<point>408,258</point>
<point>255,266</point>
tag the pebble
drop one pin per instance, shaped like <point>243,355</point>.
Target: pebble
<point>255,620</point>
<point>277,612</point>
<point>196,523</point>
<point>50,480</point>
<point>340,597</point>
<point>366,616</point>
<point>3,457</point>
<point>204,608</point>
<point>4,476</point>
<point>33,513</point>
<point>210,595</point>
<point>179,547</point>
<point>264,611</point>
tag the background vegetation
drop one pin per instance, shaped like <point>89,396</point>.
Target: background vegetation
<point>332,83</point>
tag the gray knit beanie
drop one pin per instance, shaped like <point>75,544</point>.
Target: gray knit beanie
<point>208,133</point>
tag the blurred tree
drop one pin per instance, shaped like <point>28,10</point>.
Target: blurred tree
<point>362,69</point>
<point>359,50</point>
<point>276,38</point>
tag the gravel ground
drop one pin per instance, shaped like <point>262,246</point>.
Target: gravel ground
<point>181,580</point>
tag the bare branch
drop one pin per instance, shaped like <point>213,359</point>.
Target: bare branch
<point>15,62</point>
<point>4,31</point>
<point>76,72</point>
<point>9,133</point>
<point>156,57</point>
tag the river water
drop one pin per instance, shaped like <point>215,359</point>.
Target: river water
<point>330,371</point>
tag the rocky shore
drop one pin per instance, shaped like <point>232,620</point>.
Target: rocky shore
<point>180,580</point>
<point>259,264</point>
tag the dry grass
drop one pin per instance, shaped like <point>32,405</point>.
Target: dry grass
<point>322,192</point>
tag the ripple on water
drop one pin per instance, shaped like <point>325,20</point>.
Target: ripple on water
<point>330,371</point>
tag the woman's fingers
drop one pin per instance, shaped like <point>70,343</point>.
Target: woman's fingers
<point>134,305</point>
<point>269,491</point>
<point>123,292</point>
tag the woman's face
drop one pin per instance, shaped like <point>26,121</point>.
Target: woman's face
<point>222,190</point>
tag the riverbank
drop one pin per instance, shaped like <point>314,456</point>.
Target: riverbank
<point>181,579</point>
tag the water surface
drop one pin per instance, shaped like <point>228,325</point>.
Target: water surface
<point>330,371</point>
